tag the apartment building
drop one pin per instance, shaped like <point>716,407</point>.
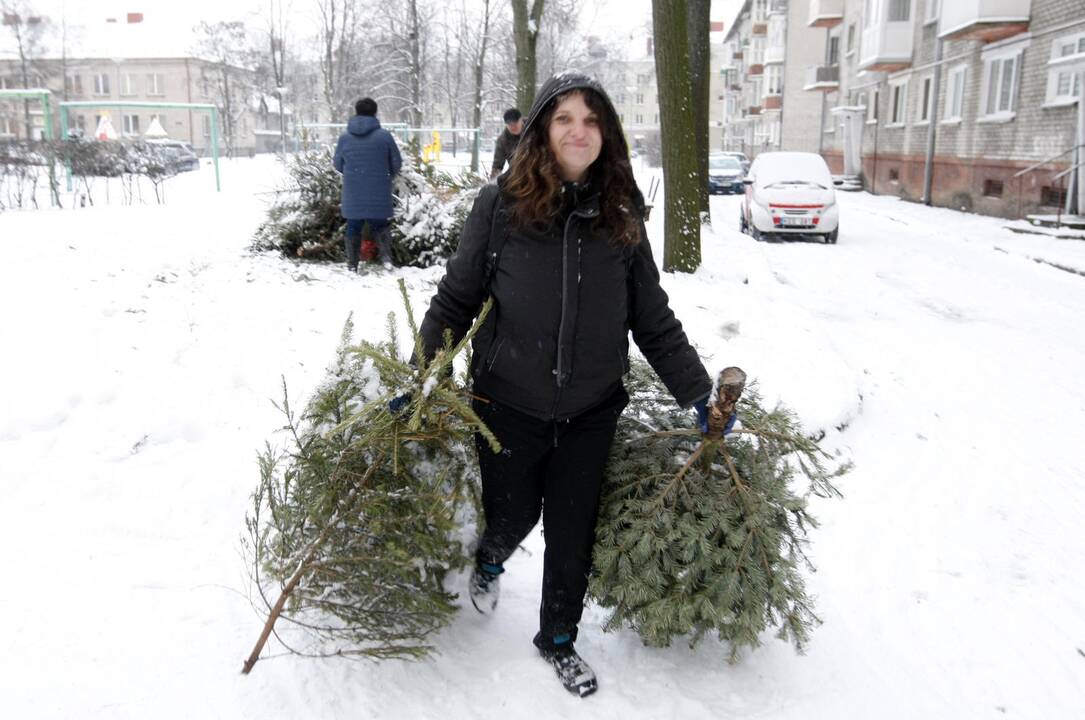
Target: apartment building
<point>754,54</point>
<point>990,87</point>
<point>131,62</point>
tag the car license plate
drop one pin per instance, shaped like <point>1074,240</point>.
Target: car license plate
<point>795,220</point>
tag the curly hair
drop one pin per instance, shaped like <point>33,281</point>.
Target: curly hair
<point>534,184</point>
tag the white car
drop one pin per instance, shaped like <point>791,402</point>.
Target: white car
<point>790,193</point>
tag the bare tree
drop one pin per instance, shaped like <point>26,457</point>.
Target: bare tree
<point>27,29</point>
<point>337,38</point>
<point>681,226</point>
<point>277,48</point>
<point>224,78</point>
<point>525,31</point>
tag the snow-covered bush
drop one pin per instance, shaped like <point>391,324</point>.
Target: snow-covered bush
<point>305,222</point>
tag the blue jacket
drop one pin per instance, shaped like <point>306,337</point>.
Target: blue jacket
<point>368,158</point>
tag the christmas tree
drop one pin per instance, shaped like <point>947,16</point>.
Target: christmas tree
<point>701,534</point>
<point>356,524</point>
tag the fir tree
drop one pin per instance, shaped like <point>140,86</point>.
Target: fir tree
<point>356,525</point>
<point>702,534</point>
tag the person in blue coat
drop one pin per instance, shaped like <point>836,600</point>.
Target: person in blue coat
<point>369,159</point>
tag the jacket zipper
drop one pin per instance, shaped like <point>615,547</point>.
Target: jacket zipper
<point>564,306</point>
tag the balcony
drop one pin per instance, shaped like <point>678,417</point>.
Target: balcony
<point>826,13</point>
<point>886,45</point>
<point>737,55</point>
<point>987,20</point>
<point>759,28</point>
<point>753,110</point>
<point>772,102</point>
<point>774,54</point>
<point>756,70</point>
<point>824,78</point>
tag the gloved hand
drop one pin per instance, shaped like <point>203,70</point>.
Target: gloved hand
<point>701,406</point>
<point>398,405</point>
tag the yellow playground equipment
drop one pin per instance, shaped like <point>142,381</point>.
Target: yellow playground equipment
<point>433,150</point>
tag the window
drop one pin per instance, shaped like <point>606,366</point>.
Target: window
<point>621,99</point>
<point>898,102</point>
<point>934,9</point>
<point>7,128</point>
<point>869,8</point>
<point>128,84</point>
<point>621,118</point>
<point>1063,87</point>
<point>6,83</point>
<point>73,84</point>
<point>900,10</point>
<point>834,50</point>
<point>640,99</point>
<point>101,84</point>
<point>639,119</point>
<point>926,100</point>
<point>774,80</point>
<point>955,92</point>
<point>894,174</point>
<point>657,119</point>
<point>81,123</point>
<point>872,106</point>
<point>757,50</point>
<point>131,124</point>
<point>1052,196</point>
<point>992,188</point>
<point>154,84</point>
<point>851,38</point>
<point>1000,69</point>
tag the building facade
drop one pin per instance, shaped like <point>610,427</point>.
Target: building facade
<point>753,64</point>
<point>975,82</point>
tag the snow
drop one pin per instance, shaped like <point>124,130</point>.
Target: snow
<point>144,348</point>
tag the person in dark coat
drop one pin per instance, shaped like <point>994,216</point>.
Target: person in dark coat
<point>573,276</point>
<point>505,145</point>
<point>369,159</point>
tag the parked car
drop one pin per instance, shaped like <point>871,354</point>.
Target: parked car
<point>182,157</point>
<point>742,159</point>
<point>724,174</point>
<point>790,193</point>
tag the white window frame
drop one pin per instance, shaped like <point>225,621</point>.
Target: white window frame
<point>101,84</point>
<point>154,84</point>
<point>898,103</point>
<point>994,60</point>
<point>923,110</point>
<point>130,123</point>
<point>127,88</point>
<point>1054,76</point>
<point>954,111</point>
<point>907,5</point>
<point>932,11</point>
<point>851,39</point>
<point>873,98</point>
<point>774,80</point>
<point>7,128</point>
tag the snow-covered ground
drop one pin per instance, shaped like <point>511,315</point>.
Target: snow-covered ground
<point>142,348</point>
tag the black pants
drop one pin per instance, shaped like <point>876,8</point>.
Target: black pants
<point>556,468</point>
<point>378,231</point>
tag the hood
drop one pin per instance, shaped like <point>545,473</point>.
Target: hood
<point>362,125</point>
<point>560,84</point>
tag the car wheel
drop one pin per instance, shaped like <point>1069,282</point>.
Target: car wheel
<point>742,226</point>
<point>831,237</point>
<point>757,234</point>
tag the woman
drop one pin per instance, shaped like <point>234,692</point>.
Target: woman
<point>559,243</point>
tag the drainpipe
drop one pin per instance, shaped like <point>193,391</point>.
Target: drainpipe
<point>932,127</point>
<point>1078,176</point>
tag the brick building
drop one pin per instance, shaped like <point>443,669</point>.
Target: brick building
<point>997,104</point>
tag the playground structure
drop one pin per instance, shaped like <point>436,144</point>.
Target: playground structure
<point>43,96</point>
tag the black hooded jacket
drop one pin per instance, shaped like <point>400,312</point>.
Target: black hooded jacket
<point>565,299</point>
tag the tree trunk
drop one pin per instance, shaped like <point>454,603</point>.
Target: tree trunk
<point>416,64</point>
<point>698,28</point>
<point>525,32</point>
<point>480,63</point>
<point>682,226</point>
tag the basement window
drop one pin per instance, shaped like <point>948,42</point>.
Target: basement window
<point>1052,196</point>
<point>992,188</point>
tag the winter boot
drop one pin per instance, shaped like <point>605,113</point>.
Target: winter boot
<point>575,674</point>
<point>484,587</point>
<point>384,247</point>
<point>351,246</point>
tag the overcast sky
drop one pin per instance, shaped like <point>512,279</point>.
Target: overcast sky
<point>602,17</point>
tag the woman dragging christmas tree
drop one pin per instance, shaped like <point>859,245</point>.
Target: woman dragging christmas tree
<point>559,244</point>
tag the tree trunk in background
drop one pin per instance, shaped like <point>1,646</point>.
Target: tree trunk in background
<point>417,61</point>
<point>480,62</point>
<point>698,28</point>
<point>682,225</point>
<point>525,32</point>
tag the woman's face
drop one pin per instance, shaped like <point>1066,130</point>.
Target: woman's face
<point>575,137</point>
